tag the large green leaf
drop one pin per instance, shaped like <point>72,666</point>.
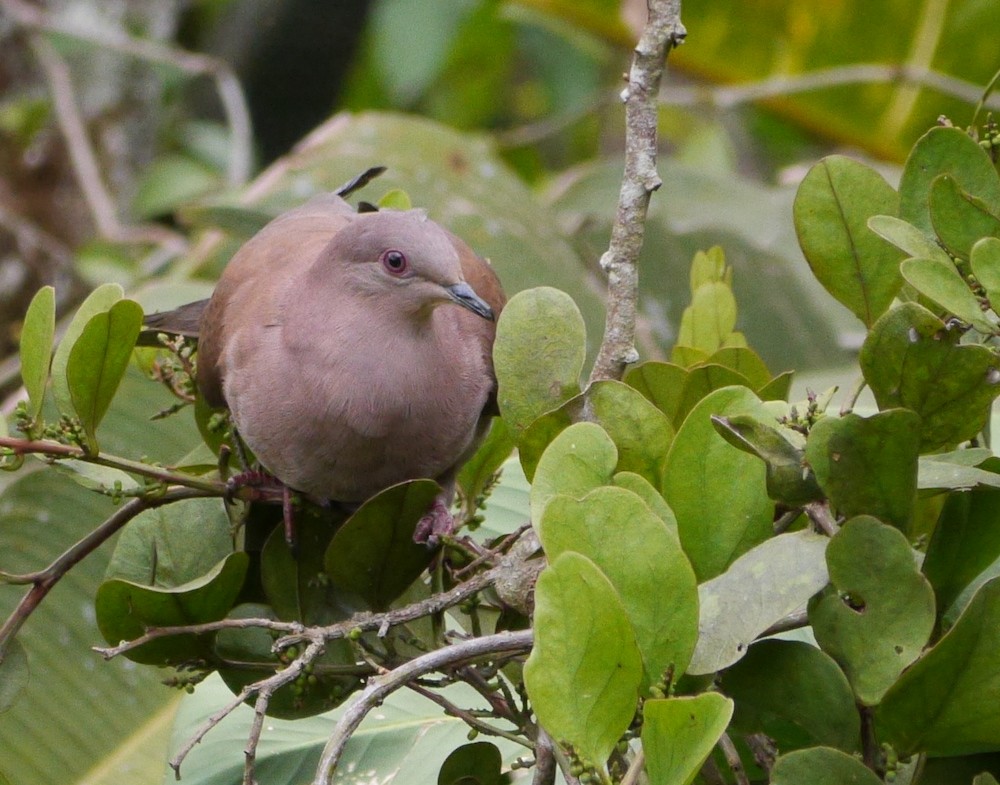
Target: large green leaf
<point>878,612</point>
<point>14,674</point>
<point>373,554</point>
<point>944,704</point>
<point>642,558</point>
<point>945,151</point>
<point>795,694</point>
<point>584,672</point>
<point>678,734</point>
<point>37,334</point>
<point>759,588</point>
<point>716,491</point>
<point>821,766</point>
<point>832,208</point>
<point>539,353</point>
<point>868,465</point>
<point>911,360</point>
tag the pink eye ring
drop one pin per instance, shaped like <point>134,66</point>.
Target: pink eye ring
<point>395,262</point>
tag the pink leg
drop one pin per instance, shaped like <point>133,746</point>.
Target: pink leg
<point>435,524</point>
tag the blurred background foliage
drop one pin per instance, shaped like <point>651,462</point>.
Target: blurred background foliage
<point>127,154</point>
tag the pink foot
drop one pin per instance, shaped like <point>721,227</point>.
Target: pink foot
<point>435,524</point>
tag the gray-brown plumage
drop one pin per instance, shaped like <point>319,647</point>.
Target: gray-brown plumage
<point>354,350</point>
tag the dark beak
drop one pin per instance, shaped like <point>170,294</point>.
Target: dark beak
<point>462,294</point>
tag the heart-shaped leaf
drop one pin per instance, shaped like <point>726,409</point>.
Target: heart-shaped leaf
<point>579,459</point>
<point>911,360</point>
<point>960,218</point>
<point>878,612</point>
<point>868,465</point>
<point>821,766</point>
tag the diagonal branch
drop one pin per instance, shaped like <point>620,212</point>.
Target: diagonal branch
<point>663,31</point>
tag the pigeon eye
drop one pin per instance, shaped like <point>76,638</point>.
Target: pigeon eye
<point>395,262</point>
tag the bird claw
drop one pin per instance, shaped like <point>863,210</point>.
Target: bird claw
<point>266,488</point>
<point>436,523</point>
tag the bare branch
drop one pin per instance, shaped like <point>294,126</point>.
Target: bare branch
<point>380,687</point>
<point>662,32</point>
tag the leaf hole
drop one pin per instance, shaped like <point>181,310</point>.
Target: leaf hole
<point>852,601</point>
<point>993,376</point>
<point>898,649</point>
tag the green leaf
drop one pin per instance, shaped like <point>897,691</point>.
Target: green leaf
<point>710,318</point>
<point>584,672</point>
<point>985,261</point>
<point>99,301</point>
<point>678,734</point>
<point>539,353</point>
<point>941,283</point>
<point>479,470</point>
<point>831,212</point>
<point>640,431</point>
<point>125,610</point>
<point>701,380</point>
<point>821,766</point>
<point>579,459</point>
<point>716,491</point>
<point>960,218</point>
<point>966,540</point>
<point>655,581</point>
<point>37,334</point>
<point>660,383</point>
<point>396,199</point>
<point>868,465</point>
<point>640,487</point>
<point>878,612</point>
<point>98,361</point>
<point>14,673</point>
<point>907,237</point>
<point>297,586</point>
<point>788,479</point>
<point>945,703</point>
<point>911,360</point>
<point>472,764</point>
<point>745,362</point>
<point>760,588</point>
<point>945,151</point>
<point>795,694</point>
<point>170,181</point>
<point>943,475</point>
<point>373,554</point>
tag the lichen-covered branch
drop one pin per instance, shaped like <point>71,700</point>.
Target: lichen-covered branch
<point>662,32</point>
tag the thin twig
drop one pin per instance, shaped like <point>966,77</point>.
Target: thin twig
<point>469,719</point>
<point>295,631</point>
<point>545,761</point>
<point>663,31</point>
<point>44,580</point>
<point>793,621</point>
<point>58,450</point>
<point>821,517</point>
<point>380,687</point>
<point>635,768</point>
<point>732,756</point>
